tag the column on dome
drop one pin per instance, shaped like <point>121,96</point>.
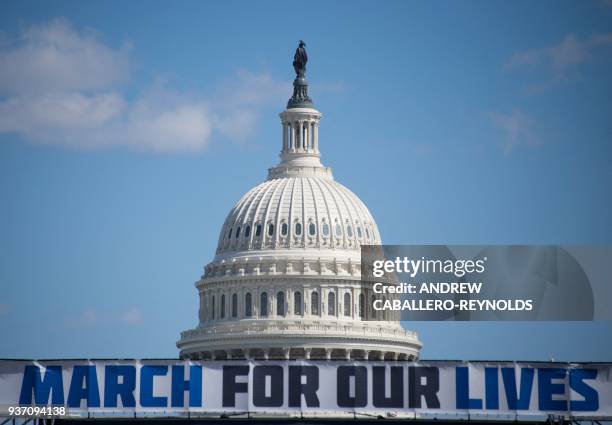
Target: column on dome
<point>316,136</point>
<point>205,308</point>
<point>310,135</point>
<point>292,125</point>
<point>255,303</point>
<point>289,302</point>
<point>217,307</point>
<point>301,136</point>
<point>312,140</point>
<point>323,302</point>
<point>303,130</point>
<point>241,296</point>
<point>285,141</point>
<point>209,304</point>
<point>230,302</point>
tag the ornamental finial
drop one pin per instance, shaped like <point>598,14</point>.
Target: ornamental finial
<point>300,97</point>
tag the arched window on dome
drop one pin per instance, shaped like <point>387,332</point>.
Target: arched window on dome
<point>312,229</point>
<point>258,230</point>
<point>280,303</point>
<point>229,235</point>
<point>222,307</point>
<point>237,232</point>
<point>325,229</point>
<point>247,231</point>
<point>367,232</point>
<point>347,304</point>
<point>359,234</point>
<point>314,304</point>
<point>361,305</point>
<point>212,310</point>
<point>248,305</point>
<point>270,229</point>
<point>234,305</point>
<point>263,304</point>
<point>349,230</point>
<point>298,229</point>
<point>297,303</point>
<point>338,230</point>
<point>331,304</point>
<point>284,229</point>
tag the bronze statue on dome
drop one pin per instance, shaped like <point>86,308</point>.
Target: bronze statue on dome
<point>299,60</point>
<point>300,97</point>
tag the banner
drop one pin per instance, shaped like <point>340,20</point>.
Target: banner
<point>427,389</point>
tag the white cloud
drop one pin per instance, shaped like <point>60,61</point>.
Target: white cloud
<point>239,98</point>
<point>56,57</point>
<point>33,114</point>
<point>132,316</point>
<point>246,88</point>
<point>516,128</point>
<point>161,120</point>
<point>59,85</point>
<point>563,56</point>
<point>94,317</point>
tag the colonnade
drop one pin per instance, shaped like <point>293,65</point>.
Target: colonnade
<point>301,135</point>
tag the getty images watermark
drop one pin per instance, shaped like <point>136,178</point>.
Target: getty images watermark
<point>438,282</point>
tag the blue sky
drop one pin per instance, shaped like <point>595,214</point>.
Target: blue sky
<point>129,129</point>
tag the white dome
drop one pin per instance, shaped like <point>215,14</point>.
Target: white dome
<point>292,212</point>
<point>285,281</point>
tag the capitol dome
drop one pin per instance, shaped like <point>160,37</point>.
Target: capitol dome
<point>285,280</point>
<point>289,212</point>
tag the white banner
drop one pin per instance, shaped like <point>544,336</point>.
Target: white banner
<point>434,389</point>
